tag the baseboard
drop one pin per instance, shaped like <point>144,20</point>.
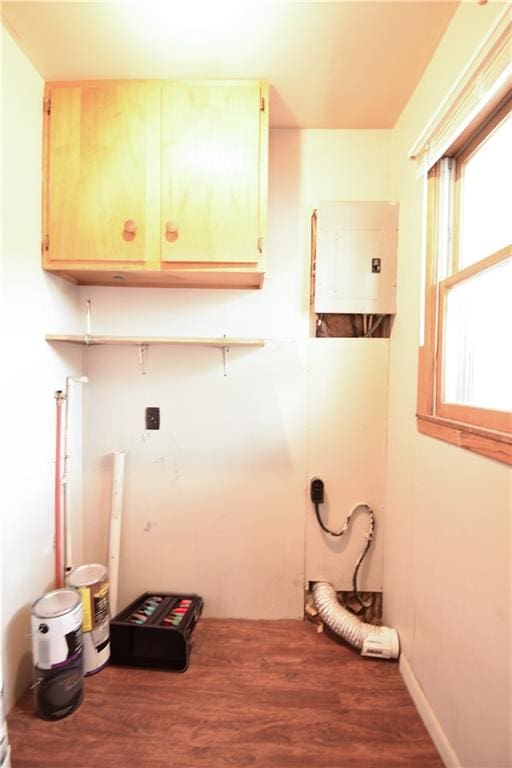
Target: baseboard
<point>426,713</point>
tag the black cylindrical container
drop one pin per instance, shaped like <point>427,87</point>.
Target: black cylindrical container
<point>59,691</point>
<point>58,653</point>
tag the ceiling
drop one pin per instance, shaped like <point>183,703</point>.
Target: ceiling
<point>345,64</point>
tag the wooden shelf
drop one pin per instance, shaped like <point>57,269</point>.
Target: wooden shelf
<point>137,341</point>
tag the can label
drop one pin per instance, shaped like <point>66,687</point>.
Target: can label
<point>58,692</point>
<point>56,640</point>
<point>96,648</point>
<point>95,601</point>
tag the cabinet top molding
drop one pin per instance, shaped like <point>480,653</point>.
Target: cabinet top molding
<point>135,80</point>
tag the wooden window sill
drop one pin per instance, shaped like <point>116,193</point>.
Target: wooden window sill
<point>493,444</point>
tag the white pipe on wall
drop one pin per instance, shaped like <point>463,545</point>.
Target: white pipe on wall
<point>66,476</point>
<point>114,543</point>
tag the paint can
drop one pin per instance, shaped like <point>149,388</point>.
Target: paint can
<point>92,583</point>
<point>5,750</point>
<point>57,650</point>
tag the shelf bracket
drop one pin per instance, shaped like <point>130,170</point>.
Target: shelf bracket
<point>143,348</point>
<point>225,350</point>
<point>88,313</point>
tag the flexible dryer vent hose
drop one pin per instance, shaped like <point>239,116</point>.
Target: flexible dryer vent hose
<point>378,642</point>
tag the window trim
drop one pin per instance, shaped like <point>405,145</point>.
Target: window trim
<point>494,445</point>
<point>481,430</point>
<point>481,85</point>
<point>499,421</point>
<point>462,152</point>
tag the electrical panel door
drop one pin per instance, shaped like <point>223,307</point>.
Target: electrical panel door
<point>356,258</point>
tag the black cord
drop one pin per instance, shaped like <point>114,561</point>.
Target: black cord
<point>358,597</point>
<point>323,526</point>
<point>369,539</point>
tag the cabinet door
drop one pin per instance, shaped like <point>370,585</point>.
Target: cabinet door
<point>103,156</point>
<point>211,172</point>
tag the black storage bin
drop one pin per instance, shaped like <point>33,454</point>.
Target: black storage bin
<point>154,631</point>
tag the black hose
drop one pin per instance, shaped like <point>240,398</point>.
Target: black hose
<point>369,539</point>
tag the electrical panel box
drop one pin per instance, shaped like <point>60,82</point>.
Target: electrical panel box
<point>356,258</point>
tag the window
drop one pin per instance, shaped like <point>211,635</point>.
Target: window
<point>465,363</point>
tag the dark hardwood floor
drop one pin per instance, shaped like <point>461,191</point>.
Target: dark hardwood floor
<point>269,694</point>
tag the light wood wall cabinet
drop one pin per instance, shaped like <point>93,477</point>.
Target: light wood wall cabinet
<point>154,183</point>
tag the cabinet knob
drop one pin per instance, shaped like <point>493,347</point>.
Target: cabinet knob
<point>129,229</point>
<point>172,230</point>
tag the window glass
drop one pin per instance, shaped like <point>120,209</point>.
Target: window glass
<point>477,352</point>
<point>486,218</point>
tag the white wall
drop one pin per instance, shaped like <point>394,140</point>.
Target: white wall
<point>346,446</point>
<point>32,304</point>
<point>447,562</point>
<point>217,501</point>
<point>347,378</point>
